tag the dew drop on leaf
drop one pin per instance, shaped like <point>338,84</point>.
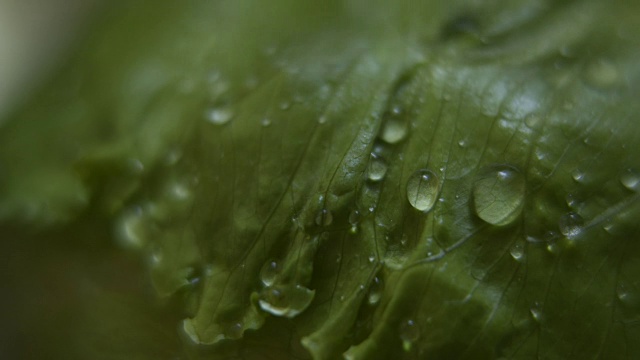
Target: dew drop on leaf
<point>536,312</point>
<point>409,333</point>
<point>377,168</point>
<point>219,116</point>
<point>498,194</point>
<point>375,291</point>
<point>423,188</point>
<point>602,74</point>
<point>324,217</point>
<point>130,229</point>
<point>394,131</point>
<point>284,300</point>
<point>269,272</point>
<point>571,224</point>
<point>630,178</point>
<point>517,250</point>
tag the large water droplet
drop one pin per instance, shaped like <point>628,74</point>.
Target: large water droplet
<point>324,217</point>
<point>409,333</point>
<point>269,272</point>
<point>423,189</point>
<point>571,224</point>
<point>498,194</point>
<point>375,291</point>
<point>377,168</point>
<point>285,301</point>
<point>394,131</point>
<point>630,178</point>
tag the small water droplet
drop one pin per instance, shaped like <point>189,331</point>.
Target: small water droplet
<point>394,131</point>
<point>602,74</point>
<point>533,121</point>
<point>173,156</point>
<point>324,217</point>
<point>571,224</point>
<point>462,143</point>
<point>377,168</point>
<point>409,333</point>
<point>423,189</point>
<point>517,250</point>
<point>234,331</point>
<point>577,175</point>
<point>536,312</point>
<point>286,301</point>
<point>630,178</point>
<point>322,119</point>
<point>571,200</point>
<point>354,217</point>
<point>285,105</point>
<point>179,191</point>
<point>625,294</point>
<point>372,258</point>
<point>551,238</point>
<point>269,272</point>
<point>498,194</point>
<point>265,122</point>
<point>375,291</point>
<point>135,166</point>
<point>219,116</point>
<point>131,230</point>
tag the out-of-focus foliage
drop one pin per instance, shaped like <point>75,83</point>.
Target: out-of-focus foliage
<point>408,179</point>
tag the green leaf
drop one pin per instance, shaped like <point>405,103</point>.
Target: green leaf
<point>357,179</point>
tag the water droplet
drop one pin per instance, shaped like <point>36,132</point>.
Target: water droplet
<point>265,122</point>
<point>324,217</point>
<point>498,194</point>
<point>377,169</point>
<point>533,121</point>
<point>269,272</point>
<point>285,301</point>
<point>602,74</point>
<point>571,224</point>
<point>536,312</point>
<point>571,200</point>
<point>626,295</point>
<point>322,119</point>
<point>630,178</point>
<point>517,250</point>
<point>354,217</point>
<point>131,230</point>
<point>409,333</point>
<point>423,189</point>
<point>285,105</point>
<point>234,331</point>
<point>577,175</point>
<point>179,191</point>
<point>135,166</point>
<point>394,131</point>
<point>462,143</point>
<point>375,291</point>
<point>372,258</point>
<point>172,157</point>
<point>219,116</point>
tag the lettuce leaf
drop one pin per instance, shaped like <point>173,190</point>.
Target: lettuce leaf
<point>355,179</point>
